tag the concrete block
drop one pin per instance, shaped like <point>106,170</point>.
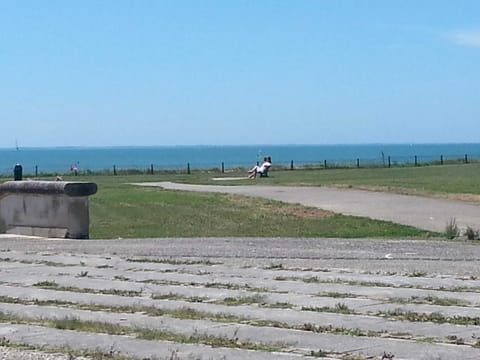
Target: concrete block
<point>46,208</point>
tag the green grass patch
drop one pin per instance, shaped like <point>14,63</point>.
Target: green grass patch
<point>338,295</point>
<point>52,285</point>
<point>173,261</point>
<point>399,314</point>
<point>431,300</point>
<point>126,211</point>
<point>242,300</point>
<point>424,180</point>
<point>120,210</point>
<point>340,308</point>
<point>173,296</point>
<point>145,334</point>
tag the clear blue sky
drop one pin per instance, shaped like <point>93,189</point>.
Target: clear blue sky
<point>113,72</point>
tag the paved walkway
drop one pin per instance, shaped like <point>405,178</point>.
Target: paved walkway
<point>240,298</point>
<point>420,212</point>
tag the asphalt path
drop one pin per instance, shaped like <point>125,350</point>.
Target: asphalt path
<point>421,212</point>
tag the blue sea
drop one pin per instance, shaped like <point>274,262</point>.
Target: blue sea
<point>60,160</point>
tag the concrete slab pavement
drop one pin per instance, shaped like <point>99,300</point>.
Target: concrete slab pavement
<point>297,342</point>
<point>284,282</point>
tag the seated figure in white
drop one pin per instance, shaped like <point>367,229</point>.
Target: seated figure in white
<point>260,169</point>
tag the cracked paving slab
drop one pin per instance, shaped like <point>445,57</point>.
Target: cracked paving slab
<point>135,348</point>
<point>167,267</point>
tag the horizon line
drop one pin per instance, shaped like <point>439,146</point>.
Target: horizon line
<point>80,147</point>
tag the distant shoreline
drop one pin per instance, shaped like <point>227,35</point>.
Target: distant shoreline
<point>97,147</point>
<point>203,157</point>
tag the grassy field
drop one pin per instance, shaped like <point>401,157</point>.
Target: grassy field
<point>451,180</point>
<point>123,210</point>
<point>456,181</point>
<point>120,210</point>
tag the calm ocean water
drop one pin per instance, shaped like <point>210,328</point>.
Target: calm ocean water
<point>59,160</point>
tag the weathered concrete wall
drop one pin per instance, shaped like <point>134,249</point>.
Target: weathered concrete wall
<point>45,208</point>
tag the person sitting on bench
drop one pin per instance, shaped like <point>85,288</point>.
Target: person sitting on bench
<point>262,169</point>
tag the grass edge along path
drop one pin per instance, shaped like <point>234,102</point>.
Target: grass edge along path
<point>120,210</point>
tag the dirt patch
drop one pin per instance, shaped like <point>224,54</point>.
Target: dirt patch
<point>307,213</point>
<point>280,208</point>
